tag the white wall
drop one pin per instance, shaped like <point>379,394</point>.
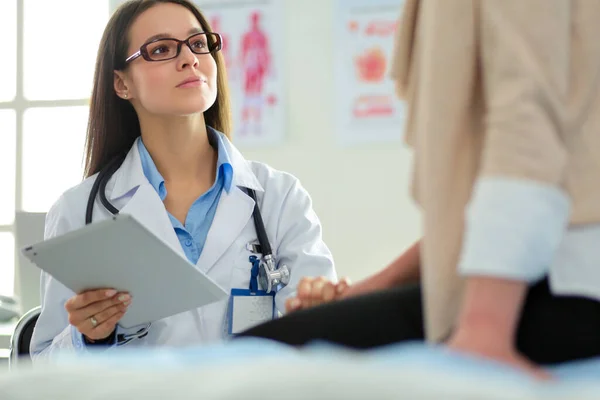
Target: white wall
<point>361,193</point>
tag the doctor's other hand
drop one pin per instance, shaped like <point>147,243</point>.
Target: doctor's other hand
<point>315,291</point>
<point>95,313</point>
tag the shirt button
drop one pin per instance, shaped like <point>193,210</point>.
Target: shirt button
<point>188,243</point>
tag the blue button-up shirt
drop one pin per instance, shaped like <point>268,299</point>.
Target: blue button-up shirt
<point>192,234</point>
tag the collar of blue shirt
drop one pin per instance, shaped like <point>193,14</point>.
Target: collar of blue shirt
<point>130,175</point>
<point>224,167</point>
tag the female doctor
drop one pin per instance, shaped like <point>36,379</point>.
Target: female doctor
<point>160,100</point>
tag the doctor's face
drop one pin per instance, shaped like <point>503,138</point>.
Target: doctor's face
<point>183,85</point>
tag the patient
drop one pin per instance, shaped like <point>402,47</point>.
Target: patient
<point>504,117</point>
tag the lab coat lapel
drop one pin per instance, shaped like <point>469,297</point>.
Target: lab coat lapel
<point>144,204</point>
<point>233,213</point>
<point>147,208</point>
<point>234,210</point>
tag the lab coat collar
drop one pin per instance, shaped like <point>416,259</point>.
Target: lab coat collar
<point>130,175</point>
<point>243,176</point>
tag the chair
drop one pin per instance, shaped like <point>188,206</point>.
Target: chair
<point>21,337</point>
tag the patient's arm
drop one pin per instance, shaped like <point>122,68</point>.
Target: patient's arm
<point>315,291</point>
<point>404,269</point>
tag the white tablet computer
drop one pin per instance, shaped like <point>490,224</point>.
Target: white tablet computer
<point>121,253</point>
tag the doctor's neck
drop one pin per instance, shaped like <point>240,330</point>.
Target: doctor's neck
<point>179,147</point>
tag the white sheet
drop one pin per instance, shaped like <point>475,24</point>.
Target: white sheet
<point>260,370</point>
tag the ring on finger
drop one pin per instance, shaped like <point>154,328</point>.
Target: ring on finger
<point>94,321</point>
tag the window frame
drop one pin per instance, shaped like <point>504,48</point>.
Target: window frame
<point>19,104</point>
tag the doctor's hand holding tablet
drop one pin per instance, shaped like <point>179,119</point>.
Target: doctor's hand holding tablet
<point>95,313</point>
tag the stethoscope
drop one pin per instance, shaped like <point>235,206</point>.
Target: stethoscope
<point>269,276</point>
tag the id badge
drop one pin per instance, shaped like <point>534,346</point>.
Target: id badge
<point>248,309</point>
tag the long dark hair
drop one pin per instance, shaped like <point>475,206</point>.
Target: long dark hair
<point>113,124</point>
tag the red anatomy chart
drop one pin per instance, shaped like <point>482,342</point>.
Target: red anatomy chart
<point>255,62</point>
<point>252,46</point>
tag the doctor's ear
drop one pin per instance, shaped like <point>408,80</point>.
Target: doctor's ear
<point>120,86</point>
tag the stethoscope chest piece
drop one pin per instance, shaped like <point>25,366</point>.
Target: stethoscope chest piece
<point>270,277</point>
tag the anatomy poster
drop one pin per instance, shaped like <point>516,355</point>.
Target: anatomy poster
<point>366,107</point>
<point>253,43</point>
<point>253,35</point>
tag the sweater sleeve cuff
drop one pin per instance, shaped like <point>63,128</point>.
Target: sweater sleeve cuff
<point>513,229</point>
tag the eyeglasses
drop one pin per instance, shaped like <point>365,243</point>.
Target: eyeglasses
<point>169,48</point>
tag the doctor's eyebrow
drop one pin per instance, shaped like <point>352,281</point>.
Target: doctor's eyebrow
<point>169,36</point>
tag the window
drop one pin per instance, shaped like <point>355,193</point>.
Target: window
<point>7,263</point>
<point>46,71</point>
<point>8,139</point>
<point>68,48</point>
<point>8,33</point>
<point>53,143</point>
<point>7,199</point>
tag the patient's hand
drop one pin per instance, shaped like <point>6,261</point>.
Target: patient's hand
<point>315,291</point>
<point>374,283</point>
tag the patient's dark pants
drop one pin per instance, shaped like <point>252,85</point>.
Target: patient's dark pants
<point>552,328</point>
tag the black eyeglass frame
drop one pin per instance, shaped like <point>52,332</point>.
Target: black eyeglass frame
<point>143,51</point>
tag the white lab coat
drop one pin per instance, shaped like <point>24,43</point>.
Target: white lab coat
<point>291,224</point>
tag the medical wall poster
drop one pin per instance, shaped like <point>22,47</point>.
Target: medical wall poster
<point>253,44</point>
<point>366,107</point>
